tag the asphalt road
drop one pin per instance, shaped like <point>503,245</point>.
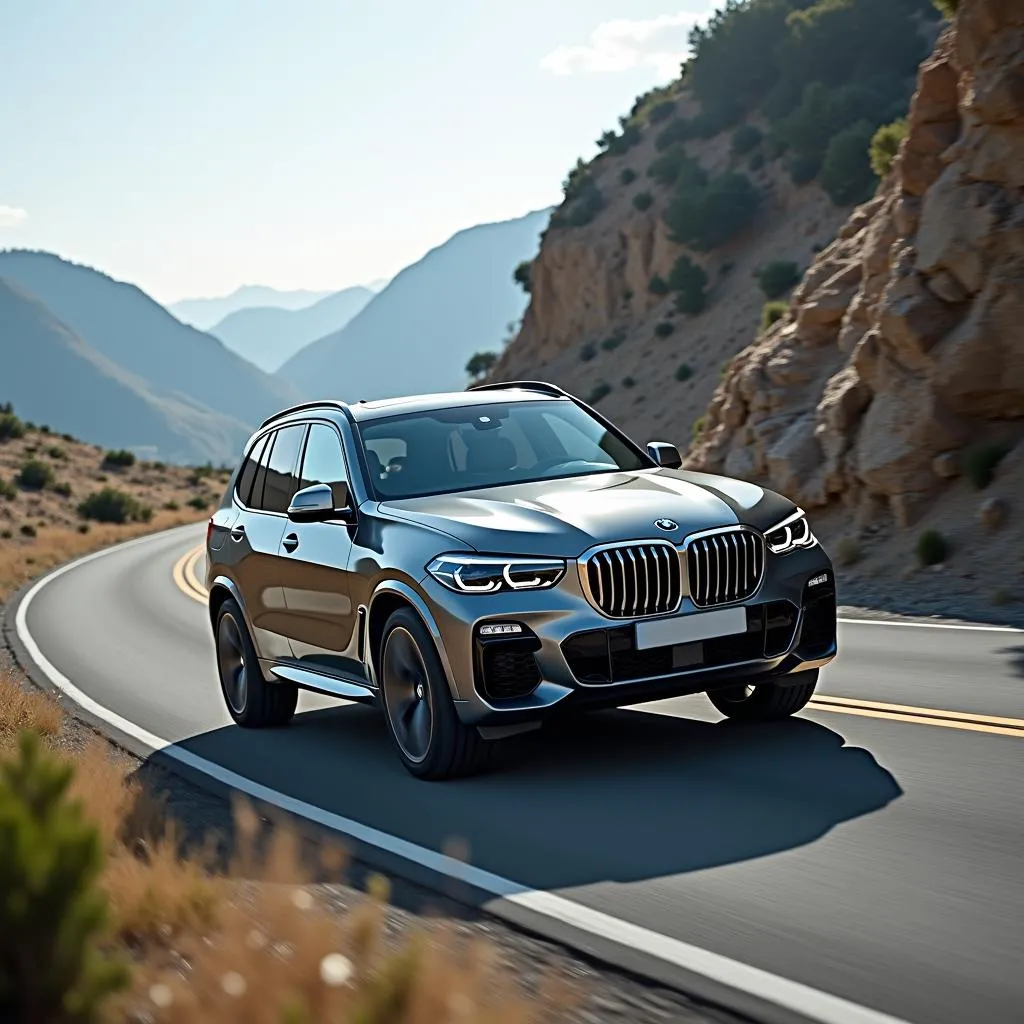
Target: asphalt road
<point>872,848</point>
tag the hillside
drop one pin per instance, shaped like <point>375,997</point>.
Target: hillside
<point>646,283</point>
<point>418,332</point>
<point>206,312</point>
<point>137,334</point>
<point>53,377</point>
<point>268,336</point>
<point>889,399</point>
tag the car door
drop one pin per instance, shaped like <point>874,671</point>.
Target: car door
<point>255,538</point>
<point>322,624</point>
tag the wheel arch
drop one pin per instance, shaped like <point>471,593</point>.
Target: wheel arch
<point>386,600</point>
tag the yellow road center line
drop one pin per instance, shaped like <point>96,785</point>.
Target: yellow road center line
<point>184,575</point>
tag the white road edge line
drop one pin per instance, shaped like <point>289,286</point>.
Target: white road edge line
<point>928,625</point>
<point>753,981</point>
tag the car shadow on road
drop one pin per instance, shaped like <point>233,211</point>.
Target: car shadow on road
<point>619,795</point>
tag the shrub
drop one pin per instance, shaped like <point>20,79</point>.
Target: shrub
<point>599,391</point>
<point>11,428</point>
<point>947,8</point>
<point>756,161</point>
<point>171,506</point>
<point>627,176</point>
<point>159,467</point>
<point>480,364</point>
<point>63,489</point>
<point>27,530</point>
<point>84,527</point>
<point>585,209</point>
<point>6,534</point>
<point>932,548</point>
<point>683,372</point>
<point>698,426</point>
<point>677,132</point>
<point>70,438</point>
<point>745,138</point>
<point>199,502</point>
<point>771,312</point>
<point>776,278</point>
<point>44,429</point>
<point>708,217</point>
<point>58,453</point>
<point>35,475</point>
<point>662,111</point>
<point>674,167</point>
<point>588,351</point>
<point>688,281</point>
<point>119,459</point>
<point>846,173</point>
<point>54,914</point>
<point>8,490</point>
<point>642,201</point>
<point>885,144</point>
<point>113,506</point>
<point>803,167</point>
<point>658,285</point>
<point>980,464</point>
<point>627,294</point>
<point>613,341</point>
<point>521,275</point>
<point>628,382</point>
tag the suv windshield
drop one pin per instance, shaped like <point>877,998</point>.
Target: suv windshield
<point>474,446</point>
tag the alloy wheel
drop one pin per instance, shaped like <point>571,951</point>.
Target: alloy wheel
<point>231,663</point>
<point>407,696</point>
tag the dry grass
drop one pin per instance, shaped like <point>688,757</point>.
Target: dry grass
<point>256,943</point>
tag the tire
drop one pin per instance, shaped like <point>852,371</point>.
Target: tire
<point>765,702</point>
<point>251,701</point>
<point>430,739</point>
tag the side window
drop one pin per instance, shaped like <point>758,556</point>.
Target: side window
<point>256,498</point>
<point>281,482</point>
<point>323,463</point>
<point>248,474</point>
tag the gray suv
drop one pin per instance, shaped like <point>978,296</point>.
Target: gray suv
<point>478,562</point>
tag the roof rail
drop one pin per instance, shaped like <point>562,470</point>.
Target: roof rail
<point>323,403</point>
<point>523,385</point>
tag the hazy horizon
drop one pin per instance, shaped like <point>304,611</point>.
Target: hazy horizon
<point>199,150</point>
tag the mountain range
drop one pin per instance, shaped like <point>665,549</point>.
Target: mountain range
<point>418,332</point>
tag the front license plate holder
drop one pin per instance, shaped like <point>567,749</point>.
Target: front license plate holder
<point>687,629</point>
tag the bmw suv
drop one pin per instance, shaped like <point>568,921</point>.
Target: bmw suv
<point>475,563</point>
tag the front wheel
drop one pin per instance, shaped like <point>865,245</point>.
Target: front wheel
<point>430,738</point>
<point>252,702</point>
<point>765,702</point>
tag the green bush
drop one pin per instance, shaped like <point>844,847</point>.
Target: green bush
<point>745,138</point>
<point>980,463</point>
<point>662,111</point>
<point>199,502</point>
<point>628,382</point>
<point>35,475</point>
<point>771,312</point>
<point>588,351</point>
<point>521,275</point>
<point>708,217</point>
<point>84,527</point>
<point>585,209</point>
<point>8,490</point>
<point>599,391</point>
<point>57,453</point>
<point>698,426</point>
<point>948,8</point>
<point>11,428</point>
<point>776,278</point>
<point>658,285</point>
<point>119,459</point>
<point>113,506</point>
<point>63,489</point>
<point>803,167</point>
<point>642,201</point>
<point>627,176</point>
<point>171,506</point>
<point>480,364</point>
<point>27,530</point>
<point>885,144</point>
<point>53,914</point>
<point>675,167</point>
<point>756,161</point>
<point>683,372</point>
<point>932,548</point>
<point>70,438</point>
<point>664,329</point>
<point>688,281</point>
<point>846,173</point>
<point>5,534</point>
<point>678,131</point>
<point>613,341</point>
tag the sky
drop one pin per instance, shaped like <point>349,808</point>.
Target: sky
<point>195,146</point>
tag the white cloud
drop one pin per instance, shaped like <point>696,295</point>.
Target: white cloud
<point>11,216</point>
<point>622,44</point>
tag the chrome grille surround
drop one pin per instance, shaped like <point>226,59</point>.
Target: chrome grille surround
<point>633,579</point>
<point>724,565</point>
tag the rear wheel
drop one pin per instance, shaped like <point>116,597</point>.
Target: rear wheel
<point>430,738</point>
<point>252,701</point>
<point>765,702</point>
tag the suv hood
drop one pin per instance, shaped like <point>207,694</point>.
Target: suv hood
<point>564,517</point>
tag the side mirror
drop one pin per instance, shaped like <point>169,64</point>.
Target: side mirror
<point>317,503</point>
<point>664,454</point>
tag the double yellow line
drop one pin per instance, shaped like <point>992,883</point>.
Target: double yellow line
<point>191,586</point>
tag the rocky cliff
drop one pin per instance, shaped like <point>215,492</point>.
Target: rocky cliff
<point>899,366</point>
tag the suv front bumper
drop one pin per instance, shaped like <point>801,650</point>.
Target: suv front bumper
<point>569,656</point>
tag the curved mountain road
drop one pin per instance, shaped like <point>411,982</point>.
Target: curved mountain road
<point>860,863</point>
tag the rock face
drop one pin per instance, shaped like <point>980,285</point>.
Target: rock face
<point>904,344</point>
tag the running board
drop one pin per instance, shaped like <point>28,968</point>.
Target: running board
<point>328,685</point>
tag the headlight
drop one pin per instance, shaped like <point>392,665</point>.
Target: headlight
<point>793,532</point>
<point>487,574</point>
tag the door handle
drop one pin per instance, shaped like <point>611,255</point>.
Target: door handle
<point>291,542</point>
<point>237,532</point>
